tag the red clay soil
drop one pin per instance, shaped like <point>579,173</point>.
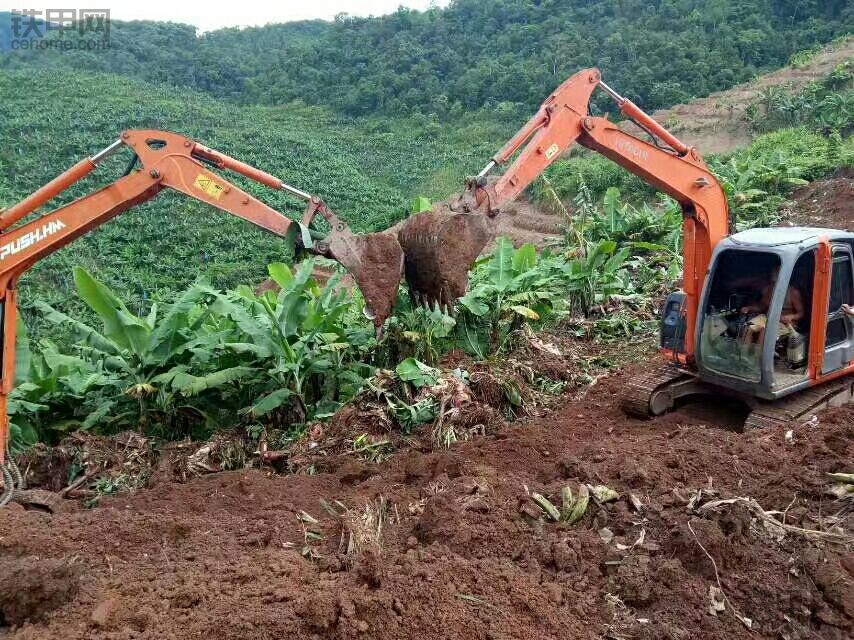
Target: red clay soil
<point>459,554</point>
<point>824,203</point>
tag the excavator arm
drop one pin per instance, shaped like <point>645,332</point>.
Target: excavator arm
<point>170,161</point>
<point>666,163</point>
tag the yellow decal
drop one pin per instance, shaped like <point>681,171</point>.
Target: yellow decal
<point>207,184</point>
<point>551,152</point>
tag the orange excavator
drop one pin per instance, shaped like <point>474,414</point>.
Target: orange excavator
<point>761,314</point>
<point>161,161</point>
<point>783,365</point>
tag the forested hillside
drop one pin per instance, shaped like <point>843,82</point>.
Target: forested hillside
<point>473,54</point>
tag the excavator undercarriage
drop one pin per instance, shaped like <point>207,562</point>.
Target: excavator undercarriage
<point>661,389</point>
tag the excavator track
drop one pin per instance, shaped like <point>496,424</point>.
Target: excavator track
<point>802,405</point>
<point>648,395</point>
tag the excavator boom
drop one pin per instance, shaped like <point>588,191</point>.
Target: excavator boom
<point>665,162</point>
<point>170,161</point>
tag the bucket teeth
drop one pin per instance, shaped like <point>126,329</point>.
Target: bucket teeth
<point>439,248</point>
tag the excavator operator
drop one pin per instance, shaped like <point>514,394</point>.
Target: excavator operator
<point>793,311</point>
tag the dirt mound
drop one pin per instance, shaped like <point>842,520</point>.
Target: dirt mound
<point>824,203</point>
<point>88,466</point>
<point>447,543</point>
<point>34,587</point>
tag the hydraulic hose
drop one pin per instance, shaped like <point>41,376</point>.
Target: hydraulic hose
<point>8,486</point>
<point>17,477</point>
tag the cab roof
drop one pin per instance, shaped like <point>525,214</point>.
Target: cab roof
<point>771,237</point>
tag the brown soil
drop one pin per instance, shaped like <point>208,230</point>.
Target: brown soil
<point>716,123</point>
<point>824,203</point>
<point>447,543</point>
<point>439,248</point>
<point>524,221</point>
<point>375,261</point>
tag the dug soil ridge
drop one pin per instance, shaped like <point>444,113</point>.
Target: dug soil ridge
<point>448,543</point>
<point>717,123</point>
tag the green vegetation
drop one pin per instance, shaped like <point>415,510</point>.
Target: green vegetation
<point>801,59</point>
<point>208,360</point>
<point>826,106</point>
<point>758,179</point>
<point>499,55</point>
<point>584,171</point>
<point>213,360</point>
<point>366,172</point>
<point>157,329</point>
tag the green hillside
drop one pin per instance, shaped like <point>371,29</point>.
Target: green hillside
<point>154,250</point>
<point>472,54</point>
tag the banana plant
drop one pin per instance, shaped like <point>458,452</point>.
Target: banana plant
<point>596,277</point>
<point>512,287</point>
<point>297,341</point>
<point>23,406</point>
<point>134,372</point>
<point>423,333</point>
<point>625,223</point>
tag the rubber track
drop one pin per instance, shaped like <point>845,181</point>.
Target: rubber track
<point>639,390</point>
<point>799,405</point>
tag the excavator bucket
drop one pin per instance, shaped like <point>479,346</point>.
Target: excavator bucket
<point>434,250</point>
<point>375,261</point>
<point>439,248</point>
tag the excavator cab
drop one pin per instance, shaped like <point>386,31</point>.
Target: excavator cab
<point>770,321</point>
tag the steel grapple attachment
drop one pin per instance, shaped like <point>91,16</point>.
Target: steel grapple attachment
<point>439,248</point>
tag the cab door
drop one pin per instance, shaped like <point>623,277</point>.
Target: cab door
<point>839,336</point>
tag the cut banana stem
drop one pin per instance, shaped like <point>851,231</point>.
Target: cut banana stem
<point>567,502</point>
<point>580,506</point>
<point>545,504</point>
<point>845,478</point>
